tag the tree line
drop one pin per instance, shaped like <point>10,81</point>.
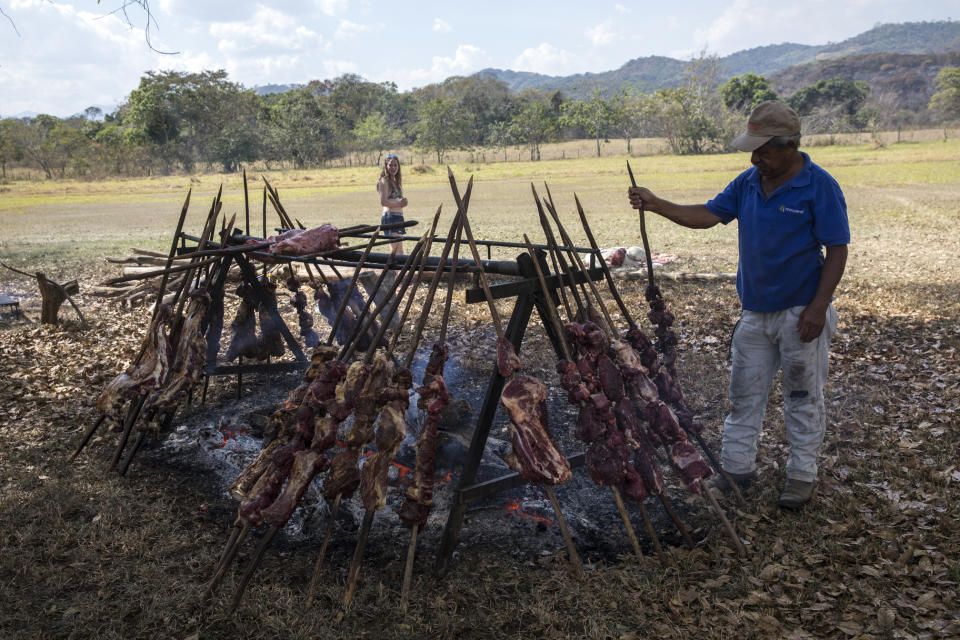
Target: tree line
<point>176,121</point>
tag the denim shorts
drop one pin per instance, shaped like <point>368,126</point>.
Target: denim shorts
<point>392,217</point>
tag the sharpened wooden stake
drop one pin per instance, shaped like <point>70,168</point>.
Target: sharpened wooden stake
<point>408,568</point>
<point>651,532</point>
<point>354,574</point>
<point>252,568</point>
<point>318,566</point>
<point>631,534</point>
<point>643,233</point>
<point>712,501</point>
<point>86,436</point>
<point>677,522</point>
<point>575,562</point>
<point>226,559</point>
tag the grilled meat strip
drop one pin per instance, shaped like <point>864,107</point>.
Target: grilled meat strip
<point>392,429</point>
<point>433,399</point>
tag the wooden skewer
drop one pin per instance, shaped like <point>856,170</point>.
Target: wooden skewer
<point>631,534</point>
<point>251,568</point>
<point>651,532</point>
<point>643,233</point>
<point>408,567</point>
<point>455,238</point>
<point>416,284</point>
<point>229,553</point>
<point>354,574</point>
<point>603,263</point>
<point>318,566</point>
<point>712,501</point>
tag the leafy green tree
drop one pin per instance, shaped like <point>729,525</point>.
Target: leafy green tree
<point>184,115</point>
<point>33,137</point>
<point>442,125</point>
<point>844,95</point>
<point>946,100</point>
<point>594,115</point>
<point>10,149</point>
<point>373,134</point>
<point>533,125</point>
<point>297,128</point>
<point>744,92</point>
<point>499,136</point>
<point>692,117</point>
<point>483,100</point>
<point>633,114</point>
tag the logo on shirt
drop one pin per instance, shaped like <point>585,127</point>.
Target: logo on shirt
<point>784,209</point>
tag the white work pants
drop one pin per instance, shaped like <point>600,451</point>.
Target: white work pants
<point>762,344</point>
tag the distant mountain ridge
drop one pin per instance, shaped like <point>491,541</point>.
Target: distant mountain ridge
<point>658,72</point>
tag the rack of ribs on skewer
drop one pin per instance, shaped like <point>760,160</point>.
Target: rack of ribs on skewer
<point>188,361</point>
<point>143,377</point>
<point>433,399</point>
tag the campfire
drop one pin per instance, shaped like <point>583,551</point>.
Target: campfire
<point>347,434</point>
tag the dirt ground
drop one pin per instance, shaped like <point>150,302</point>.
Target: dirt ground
<point>875,555</point>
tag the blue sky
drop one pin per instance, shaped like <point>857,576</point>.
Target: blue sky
<point>63,56</point>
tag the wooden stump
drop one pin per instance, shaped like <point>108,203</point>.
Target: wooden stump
<point>53,296</point>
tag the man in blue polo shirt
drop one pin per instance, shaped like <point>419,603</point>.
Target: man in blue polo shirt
<point>793,235</point>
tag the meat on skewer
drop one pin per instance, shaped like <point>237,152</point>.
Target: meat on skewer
<point>146,376</point>
<point>243,339</point>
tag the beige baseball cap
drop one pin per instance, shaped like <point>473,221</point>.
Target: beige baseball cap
<point>769,119</point>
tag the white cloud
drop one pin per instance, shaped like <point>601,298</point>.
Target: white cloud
<point>266,27</point>
<point>601,34</point>
<point>332,7</point>
<point>465,60</point>
<point>621,9</point>
<point>333,68</point>
<point>348,29</point>
<point>544,58</point>
<point>441,26</point>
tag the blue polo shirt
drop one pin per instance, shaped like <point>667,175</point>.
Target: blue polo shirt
<point>780,237</point>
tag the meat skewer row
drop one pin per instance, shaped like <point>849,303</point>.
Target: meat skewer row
<point>665,381</point>
<point>189,354</point>
<point>373,373</point>
<point>524,398</point>
<point>433,398</point>
<point>344,477</point>
<point>617,448</point>
<point>114,399</point>
<point>328,372</point>
<point>394,400</point>
<point>555,320</point>
<point>643,390</point>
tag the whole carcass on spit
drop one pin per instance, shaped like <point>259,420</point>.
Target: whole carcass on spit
<point>270,342</point>
<point>146,376</point>
<point>305,319</point>
<point>301,242</point>
<point>243,339</point>
<point>188,361</point>
<point>433,399</point>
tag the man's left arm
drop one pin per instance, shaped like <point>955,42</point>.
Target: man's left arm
<point>814,316</point>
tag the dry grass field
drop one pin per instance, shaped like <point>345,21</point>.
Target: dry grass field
<point>875,555</point>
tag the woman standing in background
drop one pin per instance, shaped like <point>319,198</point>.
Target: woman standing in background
<point>390,187</point>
